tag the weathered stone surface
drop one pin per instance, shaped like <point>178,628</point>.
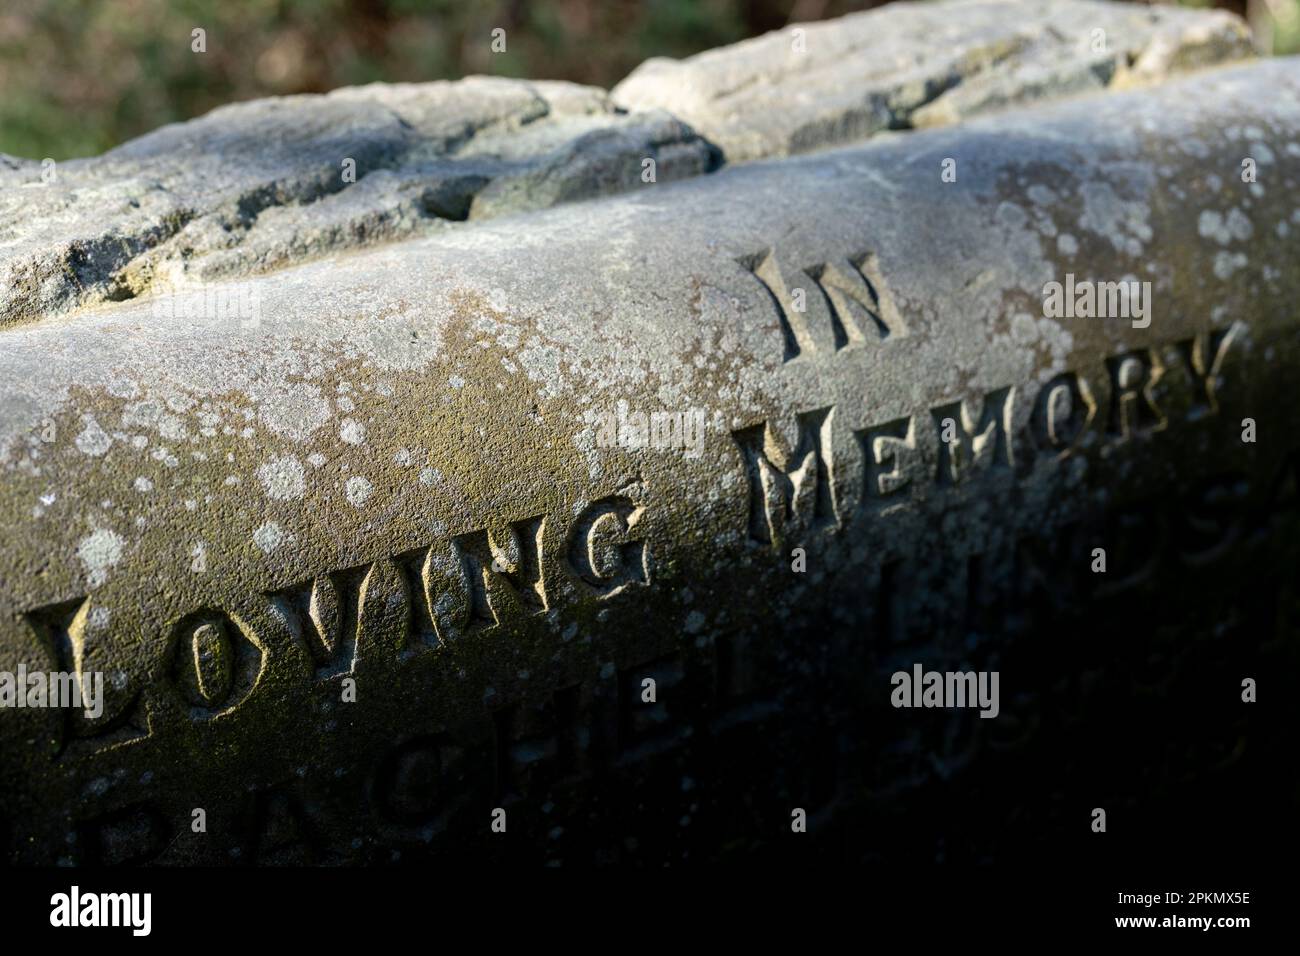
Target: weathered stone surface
<point>394,473</point>
<point>922,64</point>
<point>254,186</point>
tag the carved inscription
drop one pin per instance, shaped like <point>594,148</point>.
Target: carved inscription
<point>1204,357</point>
<point>1063,412</point>
<point>505,577</point>
<point>215,663</point>
<point>1133,411</point>
<point>791,487</point>
<point>61,629</point>
<point>792,484</point>
<point>280,831</point>
<point>127,836</point>
<point>408,786</point>
<point>827,306</point>
<point>417,599</point>
<point>322,621</point>
<point>981,436</point>
<point>888,450</point>
<point>603,553</point>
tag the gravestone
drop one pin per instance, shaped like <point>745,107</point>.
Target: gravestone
<point>381,505</point>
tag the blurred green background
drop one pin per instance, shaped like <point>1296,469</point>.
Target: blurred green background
<point>78,77</point>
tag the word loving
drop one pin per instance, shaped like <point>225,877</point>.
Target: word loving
<point>372,614</point>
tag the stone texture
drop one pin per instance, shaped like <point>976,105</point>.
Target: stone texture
<point>921,64</point>
<point>258,185</point>
<point>394,473</point>
<point>255,186</point>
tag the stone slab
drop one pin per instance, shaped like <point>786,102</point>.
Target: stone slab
<point>392,472</point>
<point>908,65</point>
